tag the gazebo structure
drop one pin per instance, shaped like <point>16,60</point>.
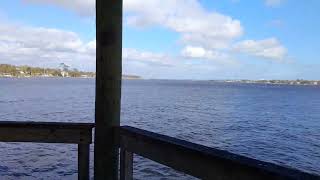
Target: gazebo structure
<point>112,141</point>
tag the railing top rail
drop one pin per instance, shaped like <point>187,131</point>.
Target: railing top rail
<point>201,161</point>
<point>46,132</point>
<point>52,132</point>
<point>56,125</point>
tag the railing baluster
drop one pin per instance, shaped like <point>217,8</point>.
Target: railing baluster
<point>83,161</point>
<point>126,165</point>
<point>52,132</point>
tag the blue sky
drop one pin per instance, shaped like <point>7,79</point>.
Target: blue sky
<point>171,39</point>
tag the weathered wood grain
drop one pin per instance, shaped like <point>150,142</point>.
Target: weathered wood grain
<point>52,132</point>
<point>83,161</point>
<point>108,87</point>
<point>126,165</point>
<point>46,132</point>
<point>201,161</point>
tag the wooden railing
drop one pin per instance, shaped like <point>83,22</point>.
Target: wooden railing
<point>193,159</point>
<point>52,132</point>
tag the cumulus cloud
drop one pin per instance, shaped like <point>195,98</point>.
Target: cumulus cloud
<point>147,57</point>
<point>201,53</point>
<point>43,46</point>
<point>131,54</point>
<point>196,25</point>
<point>268,48</point>
<point>274,3</point>
<point>204,34</point>
<point>207,36</point>
<point>82,7</point>
<point>48,47</point>
<point>187,17</point>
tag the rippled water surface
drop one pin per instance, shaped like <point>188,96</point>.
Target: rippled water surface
<point>274,123</point>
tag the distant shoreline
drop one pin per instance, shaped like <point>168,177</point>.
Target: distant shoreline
<point>64,71</point>
<point>128,77</point>
<point>298,82</point>
<point>59,77</point>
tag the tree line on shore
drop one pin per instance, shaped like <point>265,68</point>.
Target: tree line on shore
<point>8,70</point>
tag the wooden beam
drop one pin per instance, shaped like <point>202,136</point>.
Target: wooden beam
<point>83,161</point>
<point>201,161</point>
<point>126,164</point>
<point>46,132</point>
<point>108,87</point>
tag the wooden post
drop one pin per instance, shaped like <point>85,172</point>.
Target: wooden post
<point>83,161</point>
<point>108,87</point>
<point>126,165</point>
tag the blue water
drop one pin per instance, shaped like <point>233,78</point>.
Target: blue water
<point>274,123</point>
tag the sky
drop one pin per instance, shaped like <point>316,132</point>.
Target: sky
<point>171,39</point>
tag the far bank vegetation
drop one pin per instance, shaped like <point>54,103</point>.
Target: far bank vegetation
<point>7,70</point>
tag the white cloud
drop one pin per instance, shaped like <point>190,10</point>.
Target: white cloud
<point>205,35</point>
<point>40,46</point>
<point>82,7</point>
<point>274,3</point>
<point>268,48</point>
<point>147,57</point>
<point>196,25</point>
<point>47,47</point>
<point>201,53</point>
<point>214,58</point>
<point>90,47</point>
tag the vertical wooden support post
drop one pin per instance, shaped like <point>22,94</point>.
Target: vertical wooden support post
<point>108,87</point>
<point>126,165</point>
<point>83,161</point>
